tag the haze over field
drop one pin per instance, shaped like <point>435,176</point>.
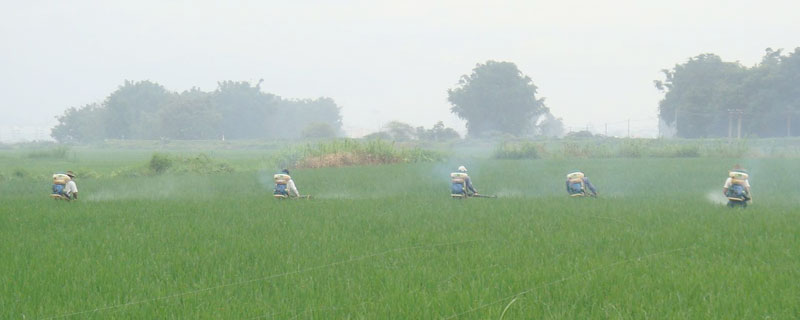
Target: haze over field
<point>380,60</point>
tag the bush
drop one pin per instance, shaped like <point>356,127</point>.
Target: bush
<point>520,150</point>
<point>348,152</point>
<point>159,163</point>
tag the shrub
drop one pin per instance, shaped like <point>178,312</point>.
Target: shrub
<point>348,152</point>
<point>159,163</point>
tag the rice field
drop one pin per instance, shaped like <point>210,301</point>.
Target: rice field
<point>387,242</point>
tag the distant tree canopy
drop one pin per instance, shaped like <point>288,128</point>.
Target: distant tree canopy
<point>399,131</point>
<point>235,110</point>
<point>496,97</point>
<point>700,93</point>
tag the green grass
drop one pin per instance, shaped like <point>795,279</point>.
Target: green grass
<point>388,242</point>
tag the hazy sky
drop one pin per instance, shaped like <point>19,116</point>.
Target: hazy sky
<point>593,61</point>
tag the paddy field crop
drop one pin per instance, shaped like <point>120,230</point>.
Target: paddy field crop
<point>387,242</point>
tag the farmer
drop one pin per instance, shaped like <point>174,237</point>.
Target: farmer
<point>738,184</point>
<point>577,183</point>
<point>284,185</point>
<point>70,188</point>
<point>461,183</point>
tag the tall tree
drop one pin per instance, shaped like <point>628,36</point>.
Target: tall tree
<point>191,115</point>
<point>496,96</point>
<point>245,109</point>
<point>705,94</point>
<point>83,124</point>
<point>132,110</point>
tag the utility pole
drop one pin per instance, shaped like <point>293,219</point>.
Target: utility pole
<point>730,125</point>
<point>676,121</point>
<point>629,128</point>
<point>739,126</point>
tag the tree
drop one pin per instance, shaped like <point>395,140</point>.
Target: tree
<point>700,94</point>
<point>437,133</point>
<point>131,110</point>
<point>400,131</point>
<point>235,110</point>
<point>496,97</point>
<point>191,116</point>
<point>247,113</point>
<point>307,112</point>
<point>83,124</point>
<point>550,126</point>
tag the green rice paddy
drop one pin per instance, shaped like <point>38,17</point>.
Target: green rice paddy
<point>387,242</point>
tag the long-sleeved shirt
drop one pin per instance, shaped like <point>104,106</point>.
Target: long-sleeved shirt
<point>70,188</point>
<point>292,188</point>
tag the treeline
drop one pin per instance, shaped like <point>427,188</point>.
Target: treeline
<point>706,96</point>
<point>235,110</point>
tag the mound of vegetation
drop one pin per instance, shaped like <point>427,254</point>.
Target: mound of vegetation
<point>161,163</point>
<point>348,152</point>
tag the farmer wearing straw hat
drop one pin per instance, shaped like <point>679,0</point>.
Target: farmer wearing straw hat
<point>70,189</point>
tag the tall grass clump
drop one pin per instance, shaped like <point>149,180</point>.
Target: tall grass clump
<point>348,152</point>
<point>632,149</point>
<point>58,152</point>
<point>518,150</point>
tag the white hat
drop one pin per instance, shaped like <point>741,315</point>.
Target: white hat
<point>462,169</point>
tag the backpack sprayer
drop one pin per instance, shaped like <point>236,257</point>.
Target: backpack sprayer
<point>576,184</point>
<point>59,182</point>
<point>737,193</point>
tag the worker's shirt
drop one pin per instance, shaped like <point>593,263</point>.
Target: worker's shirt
<point>70,188</point>
<point>729,181</point>
<point>292,188</point>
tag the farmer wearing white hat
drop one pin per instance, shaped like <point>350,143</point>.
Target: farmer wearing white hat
<point>461,183</point>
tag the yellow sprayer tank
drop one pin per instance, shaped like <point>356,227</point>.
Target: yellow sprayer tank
<point>575,176</point>
<point>60,178</point>
<point>281,178</point>
<point>738,175</point>
<point>458,177</point>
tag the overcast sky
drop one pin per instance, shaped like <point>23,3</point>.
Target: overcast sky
<point>593,61</point>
